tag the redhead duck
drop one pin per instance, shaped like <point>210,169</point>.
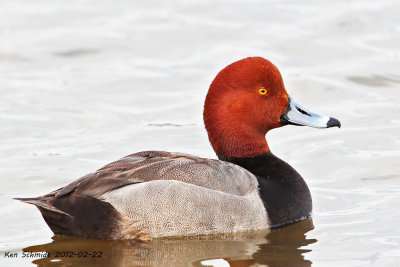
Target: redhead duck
<point>158,194</point>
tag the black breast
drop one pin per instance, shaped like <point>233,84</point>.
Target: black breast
<point>285,194</point>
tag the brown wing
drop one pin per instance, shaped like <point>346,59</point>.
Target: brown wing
<point>158,165</point>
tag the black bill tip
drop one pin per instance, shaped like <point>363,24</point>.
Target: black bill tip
<point>333,122</point>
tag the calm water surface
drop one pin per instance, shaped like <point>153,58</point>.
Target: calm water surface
<point>83,83</point>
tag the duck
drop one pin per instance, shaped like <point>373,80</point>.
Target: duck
<point>157,194</point>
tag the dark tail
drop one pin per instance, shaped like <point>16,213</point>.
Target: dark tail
<point>38,202</point>
<point>78,215</point>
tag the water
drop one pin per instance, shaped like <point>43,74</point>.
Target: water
<point>84,83</point>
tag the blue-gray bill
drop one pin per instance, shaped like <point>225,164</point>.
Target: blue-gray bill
<point>296,114</point>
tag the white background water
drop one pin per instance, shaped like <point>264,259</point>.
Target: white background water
<point>83,83</point>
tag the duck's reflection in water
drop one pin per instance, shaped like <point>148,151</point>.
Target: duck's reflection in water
<point>282,247</point>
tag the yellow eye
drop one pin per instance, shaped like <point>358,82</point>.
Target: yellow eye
<point>262,91</point>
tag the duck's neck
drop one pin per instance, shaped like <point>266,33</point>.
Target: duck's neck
<point>285,194</point>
